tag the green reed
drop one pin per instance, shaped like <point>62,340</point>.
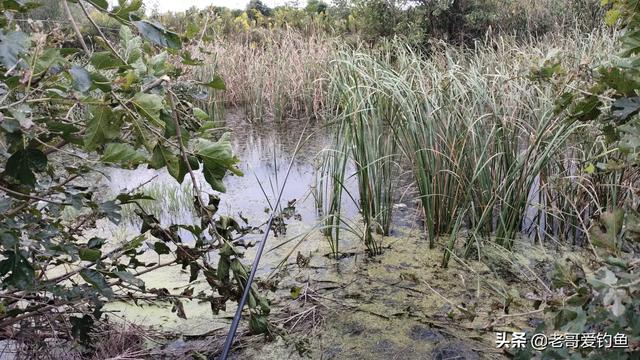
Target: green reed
<point>482,139</point>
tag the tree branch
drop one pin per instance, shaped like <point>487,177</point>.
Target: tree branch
<point>75,27</point>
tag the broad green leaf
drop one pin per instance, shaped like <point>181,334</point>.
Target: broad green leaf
<point>126,36</point>
<point>129,278</point>
<point>100,4</point>
<point>47,60</point>
<point>23,163</point>
<point>264,305</point>
<point>97,280</point>
<point>123,154</point>
<point>8,239</point>
<point>135,59</point>
<point>64,130</point>
<point>258,324</point>
<point>126,8</point>
<point>22,113</point>
<point>103,125</point>
<point>216,83</point>
<point>614,261</point>
<point>163,157</point>
<point>158,35</point>
<point>223,269</point>
<point>146,133</point>
<point>10,125</point>
<point>100,82</point>
<point>21,6</point>
<point>81,78</point>
<point>625,107</point>
<point>106,60</point>
<point>12,45</point>
<point>20,272</point>
<point>158,64</point>
<point>587,109</point>
<point>200,114</point>
<point>96,243</point>
<point>150,106</point>
<point>620,80</point>
<point>217,158</point>
<point>111,210</point>
<point>170,126</point>
<point>187,59</point>
<point>161,248</point>
<point>151,103</point>
<point>88,254</point>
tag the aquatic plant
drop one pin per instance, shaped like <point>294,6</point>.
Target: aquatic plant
<point>482,136</point>
<point>361,115</point>
<point>273,74</point>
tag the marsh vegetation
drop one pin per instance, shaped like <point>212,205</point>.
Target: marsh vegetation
<point>421,174</point>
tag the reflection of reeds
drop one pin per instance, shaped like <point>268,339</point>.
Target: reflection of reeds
<point>171,201</point>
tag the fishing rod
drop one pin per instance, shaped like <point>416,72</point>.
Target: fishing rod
<point>247,287</point>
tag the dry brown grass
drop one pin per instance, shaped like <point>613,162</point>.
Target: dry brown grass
<point>274,74</point>
<point>109,340</point>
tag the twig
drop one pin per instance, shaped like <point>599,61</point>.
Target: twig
<point>21,207</point>
<point>464,310</point>
<point>113,50</point>
<point>33,197</point>
<point>519,314</point>
<point>75,27</point>
<point>35,312</point>
<point>183,153</point>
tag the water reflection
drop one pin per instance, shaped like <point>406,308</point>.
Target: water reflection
<point>265,152</point>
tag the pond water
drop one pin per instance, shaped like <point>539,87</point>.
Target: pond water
<point>265,152</point>
<point>388,311</point>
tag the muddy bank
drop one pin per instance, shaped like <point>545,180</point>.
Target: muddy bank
<point>397,305</point>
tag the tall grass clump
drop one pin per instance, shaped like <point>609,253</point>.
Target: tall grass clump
<point>362,113</point>
<point>479,131</point>
<point>274,74</point>
<point>330,187</point>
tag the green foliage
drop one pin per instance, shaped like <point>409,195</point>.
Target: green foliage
<point>609,300</point>
<point>64,117</point>
<point>375,19</point>
<point>316,7</point>
<point>217,157</point>
<point>22,164</point>
<point>12,45</point>
<point>417,21</point>
<point>158,35</point>
<point>256,6</point>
